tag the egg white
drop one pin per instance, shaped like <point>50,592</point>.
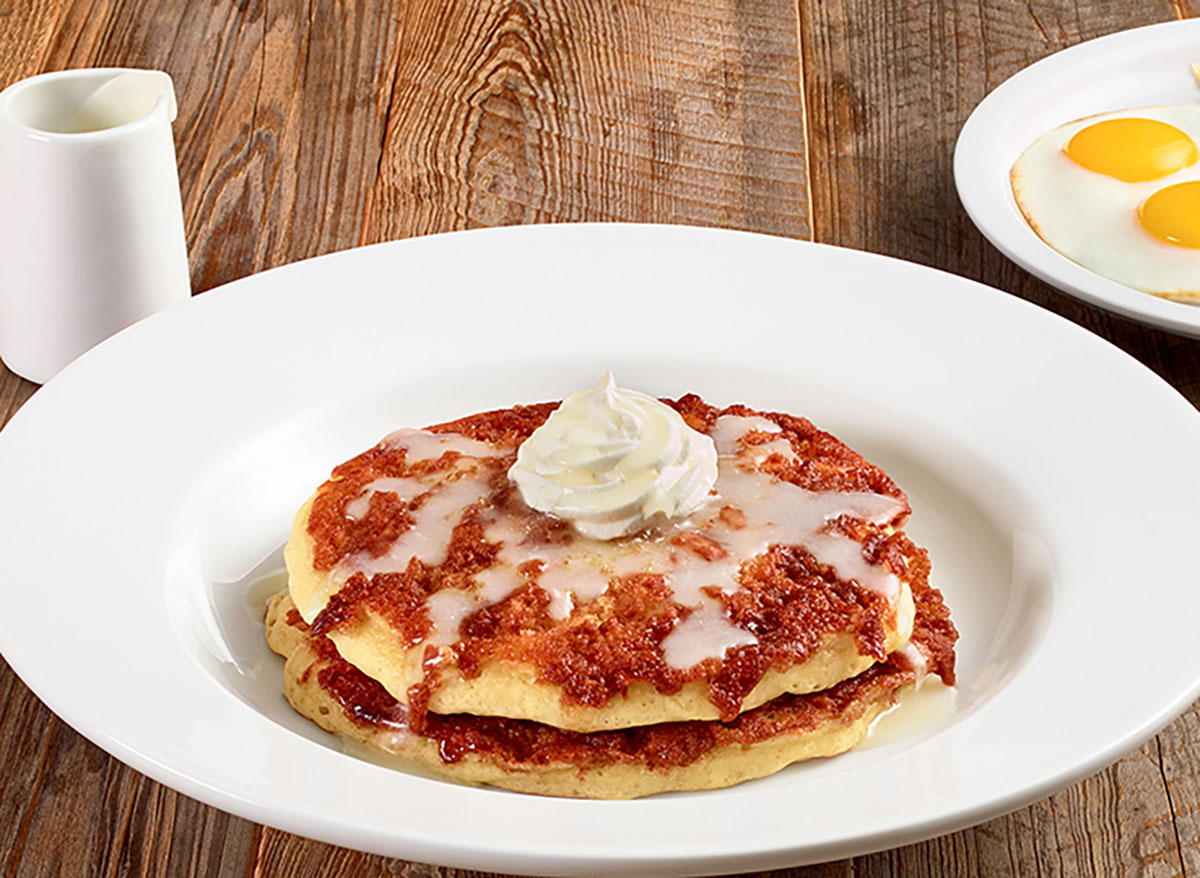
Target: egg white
<point>1092,218</point>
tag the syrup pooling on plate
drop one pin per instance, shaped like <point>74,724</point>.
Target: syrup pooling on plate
<point>747,512</point>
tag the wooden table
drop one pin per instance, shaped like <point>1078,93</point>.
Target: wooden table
<point>306,128</point>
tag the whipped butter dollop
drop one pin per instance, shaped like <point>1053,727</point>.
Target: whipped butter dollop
<point>614,461</point>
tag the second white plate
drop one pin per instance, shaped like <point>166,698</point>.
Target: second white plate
<point>1136,68</point>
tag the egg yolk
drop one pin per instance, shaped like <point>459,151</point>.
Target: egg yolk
<point>1133,150</point>
<point>1173,214</point>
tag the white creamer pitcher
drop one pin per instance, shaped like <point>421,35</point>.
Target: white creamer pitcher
<point>91,225</point>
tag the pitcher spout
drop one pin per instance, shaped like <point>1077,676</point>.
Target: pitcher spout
<point>87,101</point>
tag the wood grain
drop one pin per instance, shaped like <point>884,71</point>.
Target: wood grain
<point>26,26</point>
<point>292,142</point>
<point>309,128</point>
<point>548,111</point>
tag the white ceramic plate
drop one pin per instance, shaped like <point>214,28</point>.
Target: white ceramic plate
<point>1054,480</point>
<point>1135,68</point>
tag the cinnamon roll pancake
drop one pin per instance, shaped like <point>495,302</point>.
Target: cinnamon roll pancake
<point>619,764</point>
<point>465,581</point>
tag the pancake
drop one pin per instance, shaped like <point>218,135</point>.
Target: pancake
<point>535,758</point>
<point>419,561</point>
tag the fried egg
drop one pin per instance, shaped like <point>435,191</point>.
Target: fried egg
<point>1119,193</point>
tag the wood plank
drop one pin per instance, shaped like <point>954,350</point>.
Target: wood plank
<point>568,110</point>
<point>26,27</point>
<point>25,726</point>
<point>293,139</point>
<point>1178,755</point>
<point>288,856</point>
<point>14,392</point>
<point>25,723</point>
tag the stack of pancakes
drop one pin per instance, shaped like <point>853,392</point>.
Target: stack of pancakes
<point>434,618</point>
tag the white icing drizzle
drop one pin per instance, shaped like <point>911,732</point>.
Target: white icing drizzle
<point>569,580</point>
<point>706,633</point>
<point>449,607</point>
<point>749,512</point>
<point>424,445</point>
<point>786,514</point>
<point>916,658</point>
<point>406,488</point>
<point>450,491</point>
<point>429,537</point>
